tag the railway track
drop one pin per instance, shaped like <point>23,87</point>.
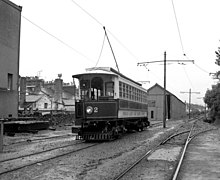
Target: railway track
<point>192,134</point>
<point>31,140</point>
<point>180,137</point>
<point>13,164</point>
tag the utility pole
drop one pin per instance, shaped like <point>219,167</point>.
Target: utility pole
<point>164,91</point>
<point>164,94</point>
<point>190,92</point>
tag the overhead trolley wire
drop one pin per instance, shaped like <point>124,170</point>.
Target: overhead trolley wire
<point>201,69</point>
<point>188,77</point>
<point>101,24</point>
<point>181,37</point>
<point>178,28</point>
<point>181,41</point>
<point>88,13</point>
<point>58,39</point>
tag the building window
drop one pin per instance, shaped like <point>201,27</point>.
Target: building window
<point>45,105</point>
<point>152,114</point>
<point>10,81</point>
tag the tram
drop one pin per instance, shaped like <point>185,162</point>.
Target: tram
<point>110,104</point>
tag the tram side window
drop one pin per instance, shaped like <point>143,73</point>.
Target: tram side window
<point>130,93</point>
<point>126,93</point>
<point>109,89</point>
<point>123,90</point>
<point>120,89</point>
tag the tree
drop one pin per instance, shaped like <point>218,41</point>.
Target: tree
<point>212,97</point>
<point>218,57</point>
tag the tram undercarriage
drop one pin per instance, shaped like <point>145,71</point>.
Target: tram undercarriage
<point>110,130</point>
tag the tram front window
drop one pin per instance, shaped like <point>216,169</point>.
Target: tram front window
<point>96,88</point>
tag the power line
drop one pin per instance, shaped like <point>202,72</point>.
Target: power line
<point>58,39</point>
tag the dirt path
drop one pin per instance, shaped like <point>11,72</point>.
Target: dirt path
<point>202,160</point>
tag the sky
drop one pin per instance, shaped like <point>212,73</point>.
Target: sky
<point>67,36</point>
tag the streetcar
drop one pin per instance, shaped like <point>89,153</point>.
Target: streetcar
<point>110,104</point>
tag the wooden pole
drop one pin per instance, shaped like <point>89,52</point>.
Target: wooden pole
<point>189,103</point>
<point>164,93</point>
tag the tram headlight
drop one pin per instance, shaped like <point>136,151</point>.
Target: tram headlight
<point>89,109</point>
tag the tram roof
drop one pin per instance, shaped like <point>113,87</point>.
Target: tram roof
<point>104,70</point>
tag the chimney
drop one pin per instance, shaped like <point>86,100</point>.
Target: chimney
<point>58,88</point>
<point>38,84</point>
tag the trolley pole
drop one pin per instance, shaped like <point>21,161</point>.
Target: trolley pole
<point>164,93</point>
<point>190,93</point>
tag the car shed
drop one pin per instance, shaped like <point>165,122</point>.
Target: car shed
<point>175,109</point>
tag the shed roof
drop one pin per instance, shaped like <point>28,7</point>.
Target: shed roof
<point>168,92</point>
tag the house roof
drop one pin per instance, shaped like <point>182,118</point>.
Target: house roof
<point>47,91</point>
<point>157,85</point>
<point>69,102</point>
<point>33,98</point>
<point>67,95</point>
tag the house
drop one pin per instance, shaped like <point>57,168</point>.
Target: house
<point>10,22</point>
<point>175,109</point>
<point>35,94</point>
<point>39,102</point>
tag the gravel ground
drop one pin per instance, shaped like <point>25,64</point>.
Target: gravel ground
<point>202,160</point>
<point>104,161</point>
<point>162,162</point>
<point>108,159</point>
